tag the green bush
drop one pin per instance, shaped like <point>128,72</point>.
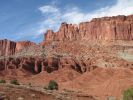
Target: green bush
<point>128,94</point>
<point>15,82</point>
<point>2,81</point>
<point>53,85</point>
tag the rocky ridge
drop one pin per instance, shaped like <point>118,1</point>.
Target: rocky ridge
<point>106,28</point>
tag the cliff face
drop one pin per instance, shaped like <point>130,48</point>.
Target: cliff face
<point>50,64</point>
<point>49,36</point>
<point>7,47</point>
<point>23,45</point>
<point>66,32</point>
<point>106,28</point>
<point>10,47</point>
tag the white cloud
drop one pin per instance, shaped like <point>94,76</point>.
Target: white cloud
<point>75,15</point>
<point>48,9</point>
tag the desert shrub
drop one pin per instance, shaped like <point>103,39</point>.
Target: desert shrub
<point>128,94</point>
<point>53,85</point>
<point>15,82</point>
<point>2,81</point>
<point>48,69</point>
<point>30,85</point>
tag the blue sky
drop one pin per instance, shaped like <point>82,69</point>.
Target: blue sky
<point>29,19</point>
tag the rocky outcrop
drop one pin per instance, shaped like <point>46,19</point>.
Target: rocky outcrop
<point>7,47</point>
<point>106,28</point>
<point>66,32</point>
<point>49,36</point>
<point>50,64</point>
<point>23,45</point>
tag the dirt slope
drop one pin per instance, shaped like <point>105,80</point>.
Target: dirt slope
<point>103,82</point>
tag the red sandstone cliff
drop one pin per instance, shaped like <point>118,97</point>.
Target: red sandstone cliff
<point>8,47</point>
<point>23,44</point>
<point>106,28</point>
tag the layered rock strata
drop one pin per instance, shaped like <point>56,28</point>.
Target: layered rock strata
<point>106,28</point>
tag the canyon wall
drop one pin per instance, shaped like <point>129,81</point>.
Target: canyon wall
<point>50,64</point>
<point>106,28</point>
<point>23,45</point>
<point>8,47</point>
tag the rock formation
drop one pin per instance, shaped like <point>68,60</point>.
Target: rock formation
<point>106,28</point>
<point>23,45</point>
<point>7,47</point>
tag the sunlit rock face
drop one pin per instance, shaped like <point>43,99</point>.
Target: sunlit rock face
<point>7,47</point>
<point>106,28</point>
<point>23,45</point>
